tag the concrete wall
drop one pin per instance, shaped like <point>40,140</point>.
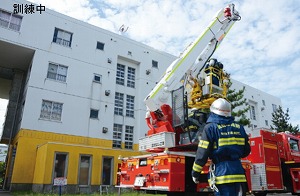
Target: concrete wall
<point>262,103</point>
<point>79,93</point>
<point>5,85</point>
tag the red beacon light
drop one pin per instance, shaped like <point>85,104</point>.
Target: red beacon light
<point>227,12</point>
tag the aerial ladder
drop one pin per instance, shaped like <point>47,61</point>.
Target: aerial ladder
<point>198,77</point>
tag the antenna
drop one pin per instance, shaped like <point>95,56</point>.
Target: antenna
<point>123,28</point>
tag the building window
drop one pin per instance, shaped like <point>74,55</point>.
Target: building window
<point>120,74</point>
<point>128,137</point>
<point>119,102</point>
<point>117,136</point>
<point>154,64</point>
<point>130,106</point>
<point>10,20</point>
<point>94,113</point>
<point>252,113</point>
<point>131,77</point>
<point>293,144</point>
<point>84,170</point>
<point>266,122</point>
<point>62,37</point>
<point>274,107</point>
<point>60,165</point>
<point>100,46</point>
<point>51,110</point>
<point>57,72</point>
<point>97,78</point>
<point>263,102</point>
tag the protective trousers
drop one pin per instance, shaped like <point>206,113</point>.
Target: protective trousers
<point>231,189</point>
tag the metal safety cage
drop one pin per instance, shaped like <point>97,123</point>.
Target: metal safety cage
<point>179,107</point>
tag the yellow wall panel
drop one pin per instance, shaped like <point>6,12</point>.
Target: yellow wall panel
<point>36,152</point>
<point>24,163</point>
<point>40,165</point>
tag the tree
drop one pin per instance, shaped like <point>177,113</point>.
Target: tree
<point>2,169</point>
<point>2,173</point>
<point>237,99</point>
<point>280,120</point>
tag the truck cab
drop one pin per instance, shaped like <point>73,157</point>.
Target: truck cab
<point>291,147</point>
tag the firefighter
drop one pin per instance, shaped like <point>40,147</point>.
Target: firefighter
<point>196,122</point>
<point>225,142</point>
<point>213,68</point>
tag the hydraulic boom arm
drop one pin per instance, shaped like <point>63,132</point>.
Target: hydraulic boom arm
<point>188,66</point>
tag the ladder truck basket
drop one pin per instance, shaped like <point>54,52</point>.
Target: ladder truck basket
<point>159,140</point>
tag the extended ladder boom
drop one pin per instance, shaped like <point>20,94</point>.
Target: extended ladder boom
<point>191,62</point>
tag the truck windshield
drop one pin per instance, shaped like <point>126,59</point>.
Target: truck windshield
<point>294,144</point>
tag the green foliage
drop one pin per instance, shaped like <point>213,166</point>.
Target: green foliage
<point>280,119</point>
<point>2,170</point>
<point>237,99</point>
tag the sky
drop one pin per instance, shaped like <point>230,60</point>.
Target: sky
<point>262,50</point>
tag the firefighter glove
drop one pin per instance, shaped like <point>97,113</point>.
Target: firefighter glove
<point>196,180</point>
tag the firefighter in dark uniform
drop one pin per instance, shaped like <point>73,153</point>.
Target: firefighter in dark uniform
<point>214,68</point>
<point>225,142</point>
<point>196,123</point>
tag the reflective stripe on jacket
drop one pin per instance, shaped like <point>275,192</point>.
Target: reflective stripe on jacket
<point>225,142</point>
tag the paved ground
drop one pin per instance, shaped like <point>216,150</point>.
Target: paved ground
<point>5,193</point>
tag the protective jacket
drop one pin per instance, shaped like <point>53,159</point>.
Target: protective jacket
<point>225,142</point>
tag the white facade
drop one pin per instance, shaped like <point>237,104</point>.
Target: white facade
<point>262,105</point>
<point>80,93</point>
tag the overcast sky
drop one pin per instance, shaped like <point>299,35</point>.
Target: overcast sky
<point>262,50</point>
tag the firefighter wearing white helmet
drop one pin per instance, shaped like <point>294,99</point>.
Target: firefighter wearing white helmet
<point>225,142</point>
<point>221,107</point>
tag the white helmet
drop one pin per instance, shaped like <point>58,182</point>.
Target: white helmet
<point>194,109</point>
<point>221,107</point>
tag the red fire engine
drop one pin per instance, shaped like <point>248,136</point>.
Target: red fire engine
<point>275,163</point>
<point>272,166</point>
<point>194,81</point>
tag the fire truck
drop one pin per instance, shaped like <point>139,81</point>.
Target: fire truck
<point>272,167</point>
<point>275,162</point>
<point>192,82</point>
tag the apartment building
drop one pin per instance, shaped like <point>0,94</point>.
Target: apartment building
<point>75,96</point>
<point>261,104</point>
